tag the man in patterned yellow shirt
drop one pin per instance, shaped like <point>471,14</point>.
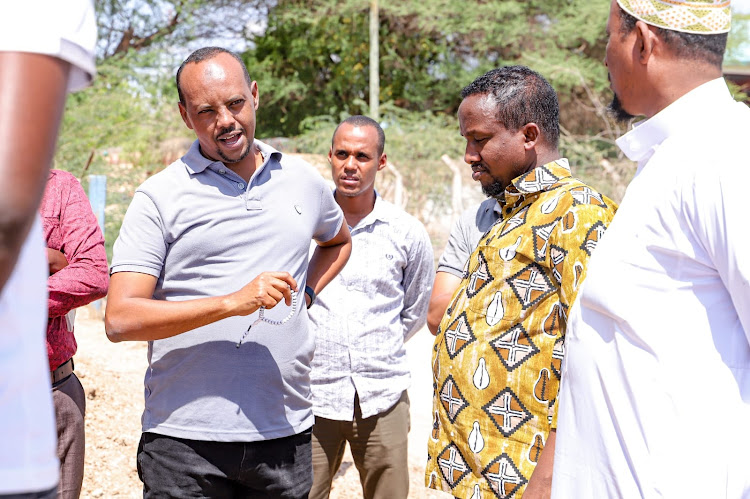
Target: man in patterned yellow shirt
<point>497,354</point>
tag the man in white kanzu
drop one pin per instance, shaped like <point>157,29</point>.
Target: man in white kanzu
<point>46,49</point>
<point>655,400</point>
<point>379,300</point>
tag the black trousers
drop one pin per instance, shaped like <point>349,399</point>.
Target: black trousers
<point>175,467</point>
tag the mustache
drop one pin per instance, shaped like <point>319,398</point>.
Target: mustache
<point>228,129</point>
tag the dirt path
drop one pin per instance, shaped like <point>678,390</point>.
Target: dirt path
<point>112,375</point>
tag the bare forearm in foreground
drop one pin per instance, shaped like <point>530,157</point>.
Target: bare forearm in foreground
<point>32,97</point>
<point>134,315</point>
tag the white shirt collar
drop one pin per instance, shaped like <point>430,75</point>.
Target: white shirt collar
<point>640,143</point>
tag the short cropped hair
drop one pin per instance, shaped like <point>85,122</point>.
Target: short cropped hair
<point>362,121</point>
<point>204,54</point>
<point>521,96</point>
<point>691,46</point>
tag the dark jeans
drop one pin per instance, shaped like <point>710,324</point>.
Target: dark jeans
<point>46,494</point>
<point>176,467</point>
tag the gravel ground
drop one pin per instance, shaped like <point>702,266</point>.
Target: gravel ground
<point>112,375</point>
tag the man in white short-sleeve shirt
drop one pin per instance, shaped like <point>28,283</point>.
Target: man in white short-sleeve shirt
<point>655,396</point>
<point>46,49</point>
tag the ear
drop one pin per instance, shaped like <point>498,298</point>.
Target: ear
<point>330,156</point>
<point>531,135</point>
<point>183,113</point>
<point>254,93</point>
<point>382,162</point>
<point>646,41</point>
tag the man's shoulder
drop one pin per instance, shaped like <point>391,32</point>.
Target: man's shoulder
<point>299,167</point>
<point>397,215</point>
<point>59,180</point>
<point>165,179</point>
<point>572,192</point>
<point>62,177</point>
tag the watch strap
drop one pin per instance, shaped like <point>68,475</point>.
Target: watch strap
<point>311,293</point>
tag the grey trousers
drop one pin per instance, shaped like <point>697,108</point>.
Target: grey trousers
<point>70,408</point>
<point>379,446</point>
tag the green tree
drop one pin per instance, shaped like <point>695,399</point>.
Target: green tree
<point>312,59</point>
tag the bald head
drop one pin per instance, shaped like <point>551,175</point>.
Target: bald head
<point>204,54</point>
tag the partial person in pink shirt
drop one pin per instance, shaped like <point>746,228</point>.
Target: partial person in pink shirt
<point>78,276</point>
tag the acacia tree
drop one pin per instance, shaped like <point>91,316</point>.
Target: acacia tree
<point>174,25</point>
<point>312,59</point>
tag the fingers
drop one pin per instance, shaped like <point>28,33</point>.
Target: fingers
<point>284,276</point>
<point>283,284</point>
<point>268,289</point>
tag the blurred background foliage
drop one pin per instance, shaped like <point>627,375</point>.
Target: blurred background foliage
<point>311,61</point>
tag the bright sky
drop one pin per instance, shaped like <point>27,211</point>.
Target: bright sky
<point>744,7</point>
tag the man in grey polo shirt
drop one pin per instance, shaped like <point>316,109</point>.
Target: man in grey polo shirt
<point>209,246</point>
<point>464,237</point>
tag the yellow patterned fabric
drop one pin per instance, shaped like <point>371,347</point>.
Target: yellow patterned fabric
<point>497,354</point>
<point>705,17</point>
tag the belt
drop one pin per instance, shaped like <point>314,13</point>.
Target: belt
<point>63,371</point>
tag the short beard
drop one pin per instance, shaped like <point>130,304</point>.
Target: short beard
<point>244,155</point>
<point>618,112</point>
<point>493,190</point>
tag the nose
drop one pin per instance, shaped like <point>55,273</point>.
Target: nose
<point>349,164</point>
<point>471,154</point>
<point>224,118</point>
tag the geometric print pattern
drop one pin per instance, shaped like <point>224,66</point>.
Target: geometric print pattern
<point>557,257</point>
<point>515,221</point>
<point>707,17</point>
<point>452,465</point>
<point>558,352</point>
<point>586,195</point>
<point>531,285</point>
<point>542,234</point>
<point>504,477</point>
<point>514,346</point>
<point>457,335</point>
<point>538,179</point>
<point>480,278</point>
<point>507,412</point>
<point>499,348</point>
<point>592,237</point>
<point>451,398</point>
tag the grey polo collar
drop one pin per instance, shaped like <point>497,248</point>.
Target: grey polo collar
<point>195,162</point>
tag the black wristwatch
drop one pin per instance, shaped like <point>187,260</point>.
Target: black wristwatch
<point>311,293</point>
